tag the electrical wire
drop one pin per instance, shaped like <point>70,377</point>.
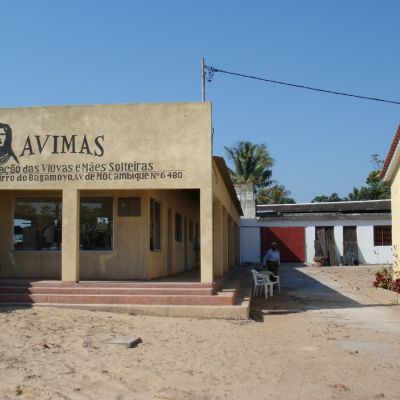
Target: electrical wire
<point>212,70</point>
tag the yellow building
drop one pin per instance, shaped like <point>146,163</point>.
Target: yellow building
<point>390,173</point>
<point>114,192</point>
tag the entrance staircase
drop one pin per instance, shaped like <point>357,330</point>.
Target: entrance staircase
<point>28,292</point>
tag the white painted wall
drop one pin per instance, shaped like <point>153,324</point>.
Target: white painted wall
<point>369,254</point>
<point>338,234</point>
<point>310,238</point>
<point>250,244</point>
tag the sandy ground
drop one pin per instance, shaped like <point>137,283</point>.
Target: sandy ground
<point>322,338</point>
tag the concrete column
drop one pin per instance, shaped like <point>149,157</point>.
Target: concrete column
<point>230,243</point>
<point>7,260</point>
<point>225,241</point>
<point>395,225</point>
<point>338,233</point>
<point>237,245</point>
<point>70,236</point>
<point>217,225</point>
<point>206,235</point>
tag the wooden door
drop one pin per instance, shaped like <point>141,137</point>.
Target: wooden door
<point>350,245</point>
<point>325,245</point>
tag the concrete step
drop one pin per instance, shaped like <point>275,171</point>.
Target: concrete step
<point>102,284</point>
<point>98,290</point>
<point>219,299</point>
<point>228,301</point>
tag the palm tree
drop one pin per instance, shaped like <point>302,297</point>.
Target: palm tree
<point>252,163</point>
<point>276,194</point>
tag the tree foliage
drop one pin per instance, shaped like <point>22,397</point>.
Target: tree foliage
<point>374,189</point>
<point>251,163</point>
<point>275,194</point>
<point>327,199</point>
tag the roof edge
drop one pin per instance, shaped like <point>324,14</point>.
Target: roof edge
<point>223,169</point>
<point>344,206</point>
<point>393,155</point>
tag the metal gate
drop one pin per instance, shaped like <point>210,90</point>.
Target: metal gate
<point>290,240</point>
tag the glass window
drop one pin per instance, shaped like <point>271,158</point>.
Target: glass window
<point>96,223</point>
<point>197,236</point>
<point>383,235</point>
<point>191,233</point>
<point>37,224</point>
<point>178,227</point>
<point>155,225</point>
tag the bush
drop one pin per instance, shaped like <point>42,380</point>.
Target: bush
<point>396,285</point>
<point>384,279</point>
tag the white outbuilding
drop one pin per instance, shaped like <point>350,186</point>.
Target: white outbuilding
<point>337,233</point>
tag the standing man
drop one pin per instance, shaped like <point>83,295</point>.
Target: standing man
<point>272,259</point>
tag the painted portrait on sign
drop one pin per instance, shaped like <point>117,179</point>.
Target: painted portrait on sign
<point>6,150</point>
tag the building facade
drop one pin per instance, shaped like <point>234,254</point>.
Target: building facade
<point>344,233</point>
<point>390,173</point>
<point>114,192</point>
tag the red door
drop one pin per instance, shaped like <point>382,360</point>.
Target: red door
<point>290,240</point>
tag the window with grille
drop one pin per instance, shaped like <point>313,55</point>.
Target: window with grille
<point>178,227</point>
<point>383,235</point>
<point>191,231</point>
<point>155,225</point>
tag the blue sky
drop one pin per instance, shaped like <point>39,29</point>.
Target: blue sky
<point>127,51</point>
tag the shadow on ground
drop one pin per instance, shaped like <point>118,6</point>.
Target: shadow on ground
<point>300,292</point>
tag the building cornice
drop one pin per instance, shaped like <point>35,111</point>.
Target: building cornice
<point>392,160</point>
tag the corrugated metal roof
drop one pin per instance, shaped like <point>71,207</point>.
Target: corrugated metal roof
<point>344,207</point>
<point>328,216</point>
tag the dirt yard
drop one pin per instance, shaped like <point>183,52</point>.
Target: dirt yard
<point>324,337</point>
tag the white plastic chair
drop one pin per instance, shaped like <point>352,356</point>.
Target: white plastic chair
<point>260,282</point>
<point>276,281</point>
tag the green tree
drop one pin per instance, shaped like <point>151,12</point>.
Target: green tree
<point>374,190</point>
<point>327,199</point>
<point>275,194</point>
<point>376,162</point>
<point>251,164</point>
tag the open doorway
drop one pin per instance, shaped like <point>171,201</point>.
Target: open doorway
<point>325,245</point>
